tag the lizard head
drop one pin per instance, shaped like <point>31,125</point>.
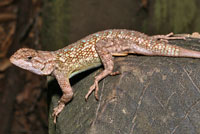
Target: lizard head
<point>32,60</point>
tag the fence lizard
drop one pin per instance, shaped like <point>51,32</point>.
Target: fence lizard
<point>91,51</point>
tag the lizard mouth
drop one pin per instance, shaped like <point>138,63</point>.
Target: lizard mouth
<point>25,65</point>
<point>13,60</point>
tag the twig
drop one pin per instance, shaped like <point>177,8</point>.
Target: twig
<point>7,17</point>
<point>7,42</point>
<point>5,3</point>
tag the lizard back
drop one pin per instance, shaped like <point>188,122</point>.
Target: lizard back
<point>82,54</point>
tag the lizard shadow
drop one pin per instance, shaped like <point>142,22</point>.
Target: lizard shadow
<point>75,79</point>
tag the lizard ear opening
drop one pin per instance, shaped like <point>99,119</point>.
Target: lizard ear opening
<point>48,69</point>
<point>29,57</point>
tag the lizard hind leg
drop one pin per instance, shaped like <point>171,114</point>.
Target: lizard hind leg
<point>107,60</point>
<point>108,68</point>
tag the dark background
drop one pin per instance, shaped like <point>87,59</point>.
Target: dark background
<point>53,24</point>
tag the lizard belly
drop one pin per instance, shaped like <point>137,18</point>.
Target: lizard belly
<point>85,69</point>
<point>85,64</point>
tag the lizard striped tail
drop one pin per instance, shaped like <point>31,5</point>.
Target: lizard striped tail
<point>188,53</point>
<point>165,49</point>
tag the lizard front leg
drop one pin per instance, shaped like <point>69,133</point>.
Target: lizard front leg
<point>66,88</point>
<point>107,60</point>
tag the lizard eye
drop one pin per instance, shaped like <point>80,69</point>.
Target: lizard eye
<point>29,57</point>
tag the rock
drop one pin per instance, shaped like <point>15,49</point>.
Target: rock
<point>151,95</point>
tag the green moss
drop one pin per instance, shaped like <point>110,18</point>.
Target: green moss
<point>55,24</point>
<point>197,24</point>
<point>178,15</point>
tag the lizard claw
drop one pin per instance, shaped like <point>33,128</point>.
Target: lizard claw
<point>57,110</point>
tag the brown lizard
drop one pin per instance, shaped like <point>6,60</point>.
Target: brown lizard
<point>92,51</point>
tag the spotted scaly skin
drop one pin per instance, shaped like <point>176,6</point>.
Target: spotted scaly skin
<point>92,51</point>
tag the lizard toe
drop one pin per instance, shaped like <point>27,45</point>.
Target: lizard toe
<point>96,90</point>
<point>92,88</point>
<point>57,110</point>
<point>115,73</point>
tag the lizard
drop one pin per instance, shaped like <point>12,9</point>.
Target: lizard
<point>92,51</point>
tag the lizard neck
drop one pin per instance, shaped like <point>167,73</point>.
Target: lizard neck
<point>48,61</point>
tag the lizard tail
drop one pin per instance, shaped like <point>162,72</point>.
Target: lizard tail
<point>164,49</point>
<point>188,53</point>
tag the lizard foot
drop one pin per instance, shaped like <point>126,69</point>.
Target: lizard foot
<point>57,110</point>
<point>168,37</point>
<point>95,87</point>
